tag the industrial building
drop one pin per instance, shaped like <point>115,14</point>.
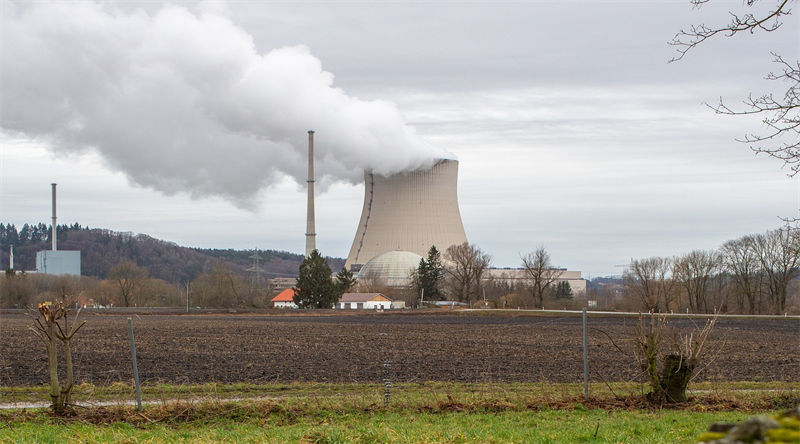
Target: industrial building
<point>408,211</point>
<point>55,261</point>
<point>58,262</point>
<point>518,276</point>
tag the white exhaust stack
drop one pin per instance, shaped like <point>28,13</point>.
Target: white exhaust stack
<point>311,236</point>
<point>55,243</point>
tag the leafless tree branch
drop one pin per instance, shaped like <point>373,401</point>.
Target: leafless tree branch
<point>781,114</point>
<point>687,39</point>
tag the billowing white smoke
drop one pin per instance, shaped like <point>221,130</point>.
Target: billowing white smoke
<point>183,101</point>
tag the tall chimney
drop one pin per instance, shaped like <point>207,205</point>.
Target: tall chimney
<point>55,243</point>
<point>11,257</point>
<point>311,236</point>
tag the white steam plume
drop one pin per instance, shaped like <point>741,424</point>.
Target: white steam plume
<point>184,102</point>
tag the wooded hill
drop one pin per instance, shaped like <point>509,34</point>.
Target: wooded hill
<point>101,249</point>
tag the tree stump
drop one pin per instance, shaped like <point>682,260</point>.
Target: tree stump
<point>675,374</point>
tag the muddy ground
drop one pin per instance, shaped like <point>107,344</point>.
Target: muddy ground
<point>250,348</point>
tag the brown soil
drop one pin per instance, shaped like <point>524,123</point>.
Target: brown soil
<point>352,348</point>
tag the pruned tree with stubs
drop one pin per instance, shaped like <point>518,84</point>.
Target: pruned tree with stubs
<point>52,326</point>
<point>668,367</point>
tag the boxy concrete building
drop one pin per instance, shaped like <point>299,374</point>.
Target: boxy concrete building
<point>59,262</point>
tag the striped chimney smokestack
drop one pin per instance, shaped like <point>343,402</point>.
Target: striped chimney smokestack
<point>311,236</point>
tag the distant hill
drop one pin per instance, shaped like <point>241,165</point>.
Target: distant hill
<point>102,249</point>
<point>600,282</point>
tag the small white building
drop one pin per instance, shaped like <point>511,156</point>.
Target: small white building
<point>364,301</point>
<point>284,299</point>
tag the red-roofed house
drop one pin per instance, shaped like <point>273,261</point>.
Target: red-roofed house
<point>284,299</point>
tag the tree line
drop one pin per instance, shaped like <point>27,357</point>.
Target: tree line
<point>32,233</point>
<point>755,274</point>
<point>102,249</point>
<point>130,285</point>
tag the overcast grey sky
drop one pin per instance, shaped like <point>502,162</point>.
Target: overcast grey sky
<point>185,121</point>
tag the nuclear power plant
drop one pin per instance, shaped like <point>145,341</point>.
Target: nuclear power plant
<point>409,211</point>
<point>403,215</point>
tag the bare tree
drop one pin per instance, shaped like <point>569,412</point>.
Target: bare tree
<point>650,281</point>
<point>778,252</point>
<point>218,287</point>
<point>694,272</point>
<point>540,273</point>
<point>740,258</point>
<point>129,278</point>
<point>782,114</point>
<point>465,265</point>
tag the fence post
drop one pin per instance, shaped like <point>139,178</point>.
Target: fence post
<point>387,382</point>
<point>135,366</point>
<point>585,359</point>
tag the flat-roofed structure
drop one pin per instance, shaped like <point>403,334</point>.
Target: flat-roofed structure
<point>59,262</point>
<point>518,276</point>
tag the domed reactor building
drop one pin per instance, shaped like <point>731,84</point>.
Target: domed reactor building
<point>408,212</point>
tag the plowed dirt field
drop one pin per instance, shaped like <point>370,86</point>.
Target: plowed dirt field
<point>330,347</point>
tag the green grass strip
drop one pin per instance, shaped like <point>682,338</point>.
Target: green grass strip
<point>547,426</point>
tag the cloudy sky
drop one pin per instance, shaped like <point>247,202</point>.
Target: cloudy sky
<point>186,121</point>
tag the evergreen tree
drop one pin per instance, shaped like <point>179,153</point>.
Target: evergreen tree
<point>428,275</point>
<point>315,288</point>
<point>563,290</point>
<point>344,281</point>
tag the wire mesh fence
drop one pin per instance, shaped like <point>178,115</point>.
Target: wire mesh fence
<point>387,350</point>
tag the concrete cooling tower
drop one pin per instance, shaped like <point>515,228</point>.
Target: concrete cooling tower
<point>408,212</point>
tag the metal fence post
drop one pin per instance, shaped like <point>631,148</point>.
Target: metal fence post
<point>135,366</point>
<point>585,359</point>
<point>387,382</point>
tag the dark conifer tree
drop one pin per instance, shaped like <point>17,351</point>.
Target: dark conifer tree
<point>563,290</point>
<point>315,288</point>
<point>344,281</point>
<point>428,276</point>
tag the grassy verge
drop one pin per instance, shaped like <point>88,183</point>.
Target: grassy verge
<point>429,412</point>
<point>409,393</point>
<point>383,426</point>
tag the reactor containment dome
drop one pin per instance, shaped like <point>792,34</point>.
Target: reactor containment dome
<point>408,211</point>
<point>392,269</point>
